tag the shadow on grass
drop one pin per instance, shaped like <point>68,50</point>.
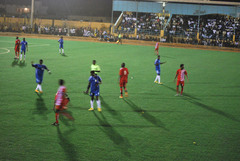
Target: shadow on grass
<point>194,101</point>
<point>66,118</point>
<point>41,108</point>
<point>67,146</point>
<point>146,115</point>
<point>22,64</point>
<point>15,62</point>
<point>113,112</point>
<point>64,55</point>
<point>122,143</point>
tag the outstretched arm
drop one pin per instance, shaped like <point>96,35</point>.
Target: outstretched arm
<point>163,62</point>
<point>49,72</point>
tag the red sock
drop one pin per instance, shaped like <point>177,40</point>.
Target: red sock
<point>57,116</point>
<point>121,91</point>
<point>182,90</point>
<point>177,90</point>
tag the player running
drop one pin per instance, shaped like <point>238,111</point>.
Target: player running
<point>94,81</point>
<point>123,79</point>
<point>17,48</point>
<point>61,101</point>
<point>39,74</point>
<point>95,67</point>
<point>24,46</point>
<point>158,70</point>
<point>61,45</point>
<point>156,48</point>
<point>180,75</point>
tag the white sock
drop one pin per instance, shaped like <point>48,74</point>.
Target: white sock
<point>63,51</point>
<point>21,56</point>
<point>24,56</point>
<point>156,78</point>
<point>59,51</point>
<point>91,102</point>
<point>98,103</point>
<point>37,87</point>
<point>40,87</point>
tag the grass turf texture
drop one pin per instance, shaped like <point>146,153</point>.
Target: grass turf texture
<point>152,124</point>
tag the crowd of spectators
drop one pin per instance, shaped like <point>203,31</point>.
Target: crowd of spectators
<point>214,30</point>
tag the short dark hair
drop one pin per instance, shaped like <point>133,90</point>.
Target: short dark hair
<point>123,64</point>
<point>17,37</point>
<point>181,65</point>
<point>61,82</point>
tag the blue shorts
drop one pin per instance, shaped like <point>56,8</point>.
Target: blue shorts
<point>23,50</point>
<point>158,71</point>
<point>94,93</point>
<point>60,46</point>
<point>39,80</point>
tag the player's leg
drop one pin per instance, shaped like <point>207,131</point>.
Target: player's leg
<point>24,55</point>
<point>177,89</point>
<point>98,103</point>
<point>182,85</point>
<point>62,50</point>
<point>91,102</point>
<point>156,79</point>
<point>59,49</point>
<point>159,78</point>
<point>125,89</point>
<point>121,90</point>
<point>21,55</point>
<point>57,108</point>
<point>40,87</point>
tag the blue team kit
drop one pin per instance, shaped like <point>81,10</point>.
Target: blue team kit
<point>39,72</point>
<point>94,84</point>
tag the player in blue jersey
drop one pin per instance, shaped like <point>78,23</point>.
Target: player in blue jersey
<point>158,70</point>
<point>94,81</point>
<point>24,46</point>
<point>39,74</point>
<point>61,45</point>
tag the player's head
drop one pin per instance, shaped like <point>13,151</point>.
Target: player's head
<point>123,65</point>
<point>40,61</point>
<point>61,37</point>
<point>94,62</point>
<point>17,37</point>
<point>23,39</point>
<point>158,56</point>
<point>92,73</point>
<point>182,66</point>
<point>61,82</point>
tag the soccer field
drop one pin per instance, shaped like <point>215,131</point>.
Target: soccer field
<point>151,124</point>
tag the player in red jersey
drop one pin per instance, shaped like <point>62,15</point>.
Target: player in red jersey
<point>17,48</point>
<point>156,48</point>
<point>123,79</point>
<point>61,101</point>
<point>180,75</point>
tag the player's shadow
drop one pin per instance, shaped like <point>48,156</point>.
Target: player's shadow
<point>146,115</point>
<point>64,55</point>
<point>15,62</point>
<point>209,108</point>
<point>113,112</point>
<point>22,64</point>
<point>66,118</point>
<point>194,101</point>
<point>109,130</point>
<point>69,148</point>
<point>184,94</point>
<point>41,108</point>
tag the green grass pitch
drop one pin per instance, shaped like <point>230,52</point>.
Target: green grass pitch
<point>152,124</point>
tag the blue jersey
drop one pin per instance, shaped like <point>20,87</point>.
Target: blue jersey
<point>23,45</point>
<point>94,83</point>
<point>157,64</point>
<point>39,72</point>
<point>60,43</point>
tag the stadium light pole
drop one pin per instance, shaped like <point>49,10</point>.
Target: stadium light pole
<point>32,11</point>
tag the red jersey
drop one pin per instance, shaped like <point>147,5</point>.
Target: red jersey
<point>60,96</point>
<point>181,74</point>
<point>17,44</point>
<point>123,74</point>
